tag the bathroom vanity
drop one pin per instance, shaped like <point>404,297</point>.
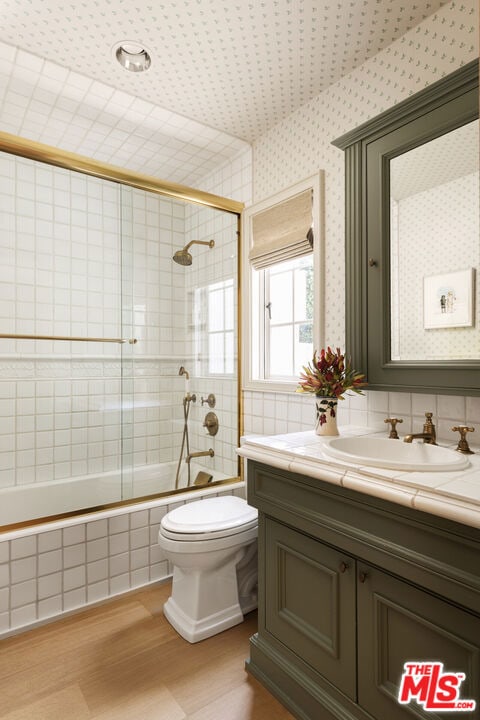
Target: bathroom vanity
<point>361,570</point>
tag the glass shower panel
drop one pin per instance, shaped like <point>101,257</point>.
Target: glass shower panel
<point>128,324</point>
<point>60,369</point>
<point>212,333</point>
<point>108,348</point>
<point>184,316</point>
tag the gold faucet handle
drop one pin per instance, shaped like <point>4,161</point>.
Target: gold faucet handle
<point>462,443</point>
<point>393,430</point>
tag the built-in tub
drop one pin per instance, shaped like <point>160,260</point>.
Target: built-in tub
<point>52,568</point>
<point>23,503</point>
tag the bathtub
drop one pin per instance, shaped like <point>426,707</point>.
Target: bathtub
<point>23,503</point>
<point>51,569</point>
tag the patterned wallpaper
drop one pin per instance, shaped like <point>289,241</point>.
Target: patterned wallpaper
<point>237,66</point>
<point>301,144</point>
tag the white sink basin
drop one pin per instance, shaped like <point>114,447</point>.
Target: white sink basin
<point>395,454</point>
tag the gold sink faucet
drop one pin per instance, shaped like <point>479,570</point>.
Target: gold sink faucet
<point>428,435</point>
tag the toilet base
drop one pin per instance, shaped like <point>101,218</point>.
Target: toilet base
<point>196,630</point>
<point>206,598</point>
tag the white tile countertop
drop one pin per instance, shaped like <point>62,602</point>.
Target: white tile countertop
<point>450,494</point>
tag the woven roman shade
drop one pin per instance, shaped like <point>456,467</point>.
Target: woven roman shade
<point>282,232</point>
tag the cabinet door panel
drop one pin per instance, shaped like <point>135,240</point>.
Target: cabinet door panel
<point>401,623</point>
<point>310,602</point>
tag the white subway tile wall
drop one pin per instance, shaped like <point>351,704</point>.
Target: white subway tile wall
<point>274,413</point>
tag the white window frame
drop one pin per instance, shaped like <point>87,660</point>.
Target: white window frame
<point>253,312</point>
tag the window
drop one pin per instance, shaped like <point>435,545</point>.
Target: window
<point>288,317</point>
<point>214,336</point>
<point>281,303</point>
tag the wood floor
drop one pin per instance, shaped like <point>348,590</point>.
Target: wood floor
<point>123,661</point>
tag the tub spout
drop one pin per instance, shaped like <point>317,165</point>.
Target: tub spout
<point>203,453</point>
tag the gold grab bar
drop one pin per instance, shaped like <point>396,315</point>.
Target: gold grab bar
<point>132,341</point>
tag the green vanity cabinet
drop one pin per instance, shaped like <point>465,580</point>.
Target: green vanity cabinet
<point>311,599</point>
<point>399,622</point>
<point>350,588</point>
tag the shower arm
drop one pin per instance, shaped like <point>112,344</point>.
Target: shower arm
<point>198,242</point>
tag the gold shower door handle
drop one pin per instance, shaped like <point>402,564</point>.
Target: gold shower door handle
<point>67,338</point>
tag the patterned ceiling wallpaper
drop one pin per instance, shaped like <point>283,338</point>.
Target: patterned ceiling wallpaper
<point>236,66</point>
<point>301,144</point>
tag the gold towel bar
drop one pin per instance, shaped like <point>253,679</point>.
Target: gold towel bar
<point>132,341</point>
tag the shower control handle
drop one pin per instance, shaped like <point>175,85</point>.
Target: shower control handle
<point>211,423</point>
<point>210,400</point>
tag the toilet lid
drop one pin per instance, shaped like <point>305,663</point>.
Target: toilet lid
<point>213,515</point>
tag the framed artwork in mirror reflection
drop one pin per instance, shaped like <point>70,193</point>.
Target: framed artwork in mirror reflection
<point>448,299</point>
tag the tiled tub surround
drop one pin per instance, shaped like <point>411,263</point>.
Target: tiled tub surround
<point>452,495</point>
<point>55,568</point>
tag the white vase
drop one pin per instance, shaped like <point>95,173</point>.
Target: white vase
<point>326,424</point>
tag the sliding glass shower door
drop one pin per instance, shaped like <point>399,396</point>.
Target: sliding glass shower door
<point>96,320</point>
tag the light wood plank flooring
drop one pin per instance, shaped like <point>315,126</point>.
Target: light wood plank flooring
<point>123,661</point>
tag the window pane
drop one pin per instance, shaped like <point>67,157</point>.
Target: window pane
<point>304,292</point>
<point>289,331</point>
<point>281,296</point>
<point>215,310</point>
<point>281,351</point>
<point>228,303</point>
<point>303,345</point>
<point>215,353</point>
<point>229,352</point>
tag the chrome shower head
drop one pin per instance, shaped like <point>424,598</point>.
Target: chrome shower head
<point>183,257</point>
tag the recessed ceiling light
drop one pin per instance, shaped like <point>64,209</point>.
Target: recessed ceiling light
<point>132,56</point>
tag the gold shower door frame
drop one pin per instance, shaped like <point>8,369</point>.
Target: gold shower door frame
<point>71,161</point>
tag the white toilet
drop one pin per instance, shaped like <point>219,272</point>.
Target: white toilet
<point>212,545</point>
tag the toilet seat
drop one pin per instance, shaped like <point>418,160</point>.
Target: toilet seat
<point>209,519</point>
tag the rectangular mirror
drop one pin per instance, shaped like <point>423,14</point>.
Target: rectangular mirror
<point>412,241</point>
<point>435,249</point>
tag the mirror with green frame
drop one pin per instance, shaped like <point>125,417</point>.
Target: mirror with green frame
<point>413,241</point>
